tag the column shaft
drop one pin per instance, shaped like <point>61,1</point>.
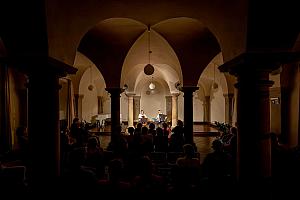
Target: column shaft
<point>43,127</point>
<point>130,110</point>
<point>136,107</point>
<point>206,109</point>
<point>115,112</point>
<point>188,113</point>
<point>253,118</point>
<point>169,108</point>
<point>174,109</point>
<point>228,108</point>
<point>100,104</point>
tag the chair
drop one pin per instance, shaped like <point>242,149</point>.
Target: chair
<point>172,157</point>
<point>158,158</point>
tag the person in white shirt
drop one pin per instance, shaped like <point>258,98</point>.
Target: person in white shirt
<point>158,117</point>
<point>142,117</point>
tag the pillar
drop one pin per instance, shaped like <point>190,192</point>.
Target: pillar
<point>253,119</point>
<point>5,119</point>
<point>115,113</point>
<point>228,107</point>
<point>253,113</point>
<point>136,107</point>
<point>130,109</point>
<point>78,105</point>
<point>206,109</point>
<point>169,108</point>
<point>43,163</point>
<point>100,104</point>
<point>188,112</point>
<point>43,126</point>
<point>175,109</point>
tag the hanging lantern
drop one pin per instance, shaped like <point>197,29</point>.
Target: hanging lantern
<point>152,86</point>
<point>90,87</point>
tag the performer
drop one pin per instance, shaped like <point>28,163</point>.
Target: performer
<point>142,117</point>
<point>159,116</point>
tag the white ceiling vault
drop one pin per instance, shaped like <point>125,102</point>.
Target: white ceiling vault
<point>181,48</point>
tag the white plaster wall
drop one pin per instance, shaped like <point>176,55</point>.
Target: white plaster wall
<point>89,104</point>
<point>217,107</point>
<point>124,107</point>
<point>197,109</point>
<point>180,107</point>
<point>153,102</point>
<point>234,112</point>
<point>63,96</point>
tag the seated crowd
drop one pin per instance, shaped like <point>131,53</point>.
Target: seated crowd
<point>148,160</point>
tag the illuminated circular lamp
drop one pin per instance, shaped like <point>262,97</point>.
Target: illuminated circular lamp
<point>148,69</point>
<point>152,86</point>
<point>90,87</point>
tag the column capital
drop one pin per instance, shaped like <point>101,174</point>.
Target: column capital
<point>175,94</point>
<point>114,90</point>
<point>79,95</point>
<point>130,94</point>
<point>228,95</point>
<point>265,61</point>
<point>41,64</point>
<point>189,89</point>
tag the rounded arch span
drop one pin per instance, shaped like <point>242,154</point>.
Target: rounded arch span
<point>92,76</point>
<point>108,43</point>
<point>165,72</point>
<point>211,73</point>
<point>143,85</point>
<point>82,63</point>
<point>201,93</point>
<point>202,88</point>
<point>219,17</point>
<point>162,57</point>
<point>195,48</point>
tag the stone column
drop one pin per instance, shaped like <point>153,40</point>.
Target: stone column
<point>78,105</point>
<point>169,108</point>
<point>206,109</point>
<point>136,107</point>
<point>285,114</point>
<point>43,163</point>
<point>188,112</point>
<point>100,104</point>
<point>115,113</point>
<point>43,118</point>
<point>228,107</point>
<point>76,97</point>
<point>175,109</point>
<point>253,119</point>
<point>253,113</point>
<point>130,109</point>
<point>43,127</point>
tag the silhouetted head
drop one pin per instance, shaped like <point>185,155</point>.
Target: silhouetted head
<point>130,130</point>
<point>180,123</point>
<point>217,145</point>
<point>233,130</point>
<point>188,150</point>
<point>151,126</point>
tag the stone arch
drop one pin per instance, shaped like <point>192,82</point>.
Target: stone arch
<point>218,18</point>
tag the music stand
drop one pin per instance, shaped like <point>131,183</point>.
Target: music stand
<point>143,120</point>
